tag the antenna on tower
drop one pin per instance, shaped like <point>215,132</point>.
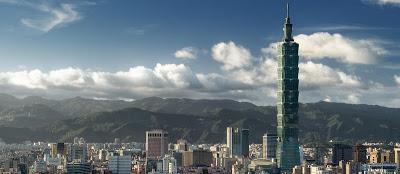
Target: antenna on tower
<point>287,10</point>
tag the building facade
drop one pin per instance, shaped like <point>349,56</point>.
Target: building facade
<point>360,153</point>
<point>79,168</point>
<point>120,164</point>
<point>397,155</point>
<point>197,158</point>
<point>287,153</point>
<point>269,146</point>
<point>156,144</point>
<point>237,140</point>
<point>79,152</point>
<point>341,152</point>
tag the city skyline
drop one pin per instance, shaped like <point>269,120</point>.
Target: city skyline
<point>67,49</point>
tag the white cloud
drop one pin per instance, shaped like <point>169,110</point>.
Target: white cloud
<point>59,16</point>
<point>327,99</point>
<point>324,45</point>
<point>186,53</point>
<point>319,75</point>
<point>169,80</point>
<point>397,79</point>
<point>353,98</point>
<point>232,56</point>
<point>253,80</point>
<point>344,49</point>
<point>385,2</point>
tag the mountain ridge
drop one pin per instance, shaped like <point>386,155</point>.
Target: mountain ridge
<point>200,121</point>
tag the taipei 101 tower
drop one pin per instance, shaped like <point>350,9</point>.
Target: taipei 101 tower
<point>287,152</point>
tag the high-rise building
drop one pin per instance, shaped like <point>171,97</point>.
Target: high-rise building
<point>386,156</point>
<point>79,168</point>
<point>351,167</point>
<point>79,153</point>
<point>39,166</point>
<point>103,155</point>
<point>397,155</point>
<point>120,164</point>
<point>360,154</point>
<point>169,165</point>
<point>59,148</point>
<point>156,144</point>
<point>197,158</point>
<point>181,145</point>
<point>23,168</point>
<point>341,152</point>
<point>374,156</point>
<point>237,140</point>
<point>287,152</point>
<point>269,146</point>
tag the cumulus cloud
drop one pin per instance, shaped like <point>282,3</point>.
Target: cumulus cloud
<point>262,72</point>
<point>169,80</point>
<point>249,79</point>
<point>327,99</point>
<point>336,46</point>
<point>327,76</point>
<point>353,98</point>
<point>231,55</point>
<point>397,79</point>
<point>186,53</point>
<point>324,45</point>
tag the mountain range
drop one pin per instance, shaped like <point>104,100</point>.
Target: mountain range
<point>199,121</point>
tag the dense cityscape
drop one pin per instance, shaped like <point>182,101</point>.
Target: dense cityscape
<point>159,155</point>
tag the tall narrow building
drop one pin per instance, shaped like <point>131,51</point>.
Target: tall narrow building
<point>287,153</point>
<point>237,140</point>
<point>156,144</point>
<point>269,146</point>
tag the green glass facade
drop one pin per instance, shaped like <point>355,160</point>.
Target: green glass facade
<point>287,153</point>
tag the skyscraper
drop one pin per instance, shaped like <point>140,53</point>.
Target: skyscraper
<point>156,144</point>
<point>287,152</point>
<point>341,152</point>
<point>79,168</point>
<point>360,153</point>
<point>397,155</point>
<point>120,164</point>
<point>237,140</point>
<point>269,146</point>
<point>79,152</point>
<point>58,148</point>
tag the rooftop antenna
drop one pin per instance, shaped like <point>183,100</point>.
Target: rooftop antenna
<point>288,26</point>
<point>287,10</point>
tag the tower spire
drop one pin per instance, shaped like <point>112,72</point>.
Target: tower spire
<point>288,26</point>
<point>287,10</point>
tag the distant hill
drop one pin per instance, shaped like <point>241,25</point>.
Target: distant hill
<point>201,121</point>
<point>78,106</point>
<point>68,108</point>
<point>317,124</point>
<point>189,106</point>
<point>29,116</point>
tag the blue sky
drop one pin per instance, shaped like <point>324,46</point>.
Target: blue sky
<point>199,49</point>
